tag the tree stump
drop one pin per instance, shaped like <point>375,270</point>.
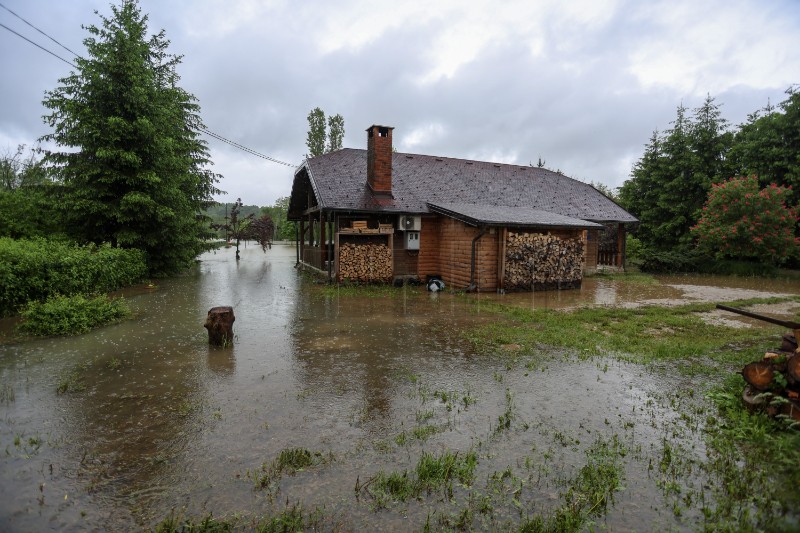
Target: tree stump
<point>219,324</point>
<point>759,375</point>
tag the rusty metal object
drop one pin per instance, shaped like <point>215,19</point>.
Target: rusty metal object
<point>219,324</point>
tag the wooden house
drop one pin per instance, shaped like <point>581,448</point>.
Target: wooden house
<point>377,215</point>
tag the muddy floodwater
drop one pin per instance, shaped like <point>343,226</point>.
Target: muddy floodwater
<point>116,429</point>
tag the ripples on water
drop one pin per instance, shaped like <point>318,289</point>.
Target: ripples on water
<point>159,420</point>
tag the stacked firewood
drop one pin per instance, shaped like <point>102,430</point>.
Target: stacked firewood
<point>365,262</point>
<point>774,382</point>
<point>535,260</point>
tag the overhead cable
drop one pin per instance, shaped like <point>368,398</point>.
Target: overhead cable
<point>201,128</point>
<point>40,31</point>
<point>38,46</point>
<point>240,147</point>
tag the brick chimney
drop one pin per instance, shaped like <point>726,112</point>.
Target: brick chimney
<point>379,159</point>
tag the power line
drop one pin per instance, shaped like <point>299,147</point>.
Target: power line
<point>39,46</point>
<point>201,128</point>
<point>40,31</point>
<point>240,147</point>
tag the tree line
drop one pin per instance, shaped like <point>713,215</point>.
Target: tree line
<point>671,185</point>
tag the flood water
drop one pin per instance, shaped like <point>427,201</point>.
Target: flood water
<point>115,429</point>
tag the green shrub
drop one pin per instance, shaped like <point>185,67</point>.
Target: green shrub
<point>35,269</point>
<point>71,315</point>
<point>730,267</point>
<point>676,260</point>
<point>633,250</point>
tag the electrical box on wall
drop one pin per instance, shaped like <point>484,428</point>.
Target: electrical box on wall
<point>412,240</point>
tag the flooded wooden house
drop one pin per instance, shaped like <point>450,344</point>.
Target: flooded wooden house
<point>376,215</point>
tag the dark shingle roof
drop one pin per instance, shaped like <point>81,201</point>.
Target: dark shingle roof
<point>494,215</point>
<point>339,180</point>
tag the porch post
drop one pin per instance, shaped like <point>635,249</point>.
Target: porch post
<point>620,244</point>
<point>301,239</point>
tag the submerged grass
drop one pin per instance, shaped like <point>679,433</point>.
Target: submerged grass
<point>589,493</point>
<point>750,465</point>
<point>292,518</point>
<point>289,461</point>
<point>382,290</point>
<point>432,473</point>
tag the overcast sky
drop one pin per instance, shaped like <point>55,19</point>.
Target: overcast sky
<point>581,84</point>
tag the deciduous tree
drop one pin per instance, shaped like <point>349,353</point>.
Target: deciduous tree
<point>335,132</point>
<point>739,221</point>
<point>320,140</point>
<point>315,141</point>
<point>237,227</point>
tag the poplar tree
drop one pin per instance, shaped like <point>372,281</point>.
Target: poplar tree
<point>133,168</point>
<point>335,133</point>
<point>318,134</point>
<point>315,141</point>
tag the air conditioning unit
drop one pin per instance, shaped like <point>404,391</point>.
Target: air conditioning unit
<point>409,223</point>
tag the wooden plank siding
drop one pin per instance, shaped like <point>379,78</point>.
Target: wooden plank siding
<point>405,261</point>
<point>446,251</point>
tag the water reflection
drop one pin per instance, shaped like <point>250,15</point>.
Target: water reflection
<point>222,361</point>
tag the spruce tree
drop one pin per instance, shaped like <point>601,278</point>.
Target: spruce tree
<point>133,168</point>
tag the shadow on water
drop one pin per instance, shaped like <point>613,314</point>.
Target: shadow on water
<point>113,429</point>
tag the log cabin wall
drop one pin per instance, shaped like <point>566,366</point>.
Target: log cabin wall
<point>590,255</point>
<point>405,261</point>
<point>429,238</point>
<point>446,251</point>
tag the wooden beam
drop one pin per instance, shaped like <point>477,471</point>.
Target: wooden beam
<point>501,258</point>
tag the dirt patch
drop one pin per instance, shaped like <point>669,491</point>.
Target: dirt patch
<point>708,293</point>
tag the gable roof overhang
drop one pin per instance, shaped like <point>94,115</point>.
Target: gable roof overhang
<point>499,216</point>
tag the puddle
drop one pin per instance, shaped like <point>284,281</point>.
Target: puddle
<point>154,419</point>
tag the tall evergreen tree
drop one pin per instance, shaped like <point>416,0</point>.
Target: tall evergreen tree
<point>768,144</point>
<point>133,167</point>
<point>669,184</point>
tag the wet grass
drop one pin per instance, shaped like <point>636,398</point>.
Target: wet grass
<point>753,461</point>
<point>289,461</point>
<point>589,494</point>
<point>640,278</point>
<point>345,290</point>
<point>72,381</point>
<point>746,478</point>
<point>643,335</point>
<point>432,473</point>
<point>7,394</point>
<point>292,518</point>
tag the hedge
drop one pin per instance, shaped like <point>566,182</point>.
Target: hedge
<point>36,269</point>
